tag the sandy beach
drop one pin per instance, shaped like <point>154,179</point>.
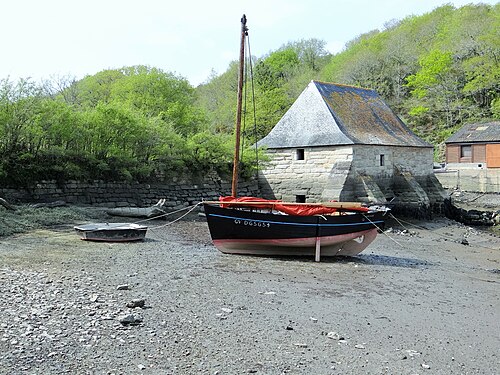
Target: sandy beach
<point>422,299</point>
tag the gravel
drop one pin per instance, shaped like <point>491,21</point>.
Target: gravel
<point>417,301</point>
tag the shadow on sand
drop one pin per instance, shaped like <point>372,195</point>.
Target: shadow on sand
<point>386,260</point>
<point>366,259</point>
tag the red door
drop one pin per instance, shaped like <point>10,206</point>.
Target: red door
<point>493,155</point>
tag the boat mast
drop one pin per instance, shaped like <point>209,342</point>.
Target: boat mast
<point>234,186</point>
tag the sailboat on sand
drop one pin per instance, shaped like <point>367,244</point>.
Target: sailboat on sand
<point>256,226</point>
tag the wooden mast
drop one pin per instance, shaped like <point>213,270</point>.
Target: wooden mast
<point>234,185</point>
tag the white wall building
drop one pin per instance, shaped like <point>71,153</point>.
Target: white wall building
<point>344,143</point>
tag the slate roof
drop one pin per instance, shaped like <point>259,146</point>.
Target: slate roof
<point>327,114</point>
<point>479,132</point>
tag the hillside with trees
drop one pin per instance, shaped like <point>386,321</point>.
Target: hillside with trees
<point>437,71</point>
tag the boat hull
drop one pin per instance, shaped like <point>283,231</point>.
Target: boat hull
<point>245,232</point>
<point>112,232</point>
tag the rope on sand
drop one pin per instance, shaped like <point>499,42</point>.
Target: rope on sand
<point>401,221</point>
<point>383,232</point>
<point>189,208</point>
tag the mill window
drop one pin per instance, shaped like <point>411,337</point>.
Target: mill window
<point>300,154</point>
<point>300,199</point>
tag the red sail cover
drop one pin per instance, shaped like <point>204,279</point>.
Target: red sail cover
<point>290,209</point>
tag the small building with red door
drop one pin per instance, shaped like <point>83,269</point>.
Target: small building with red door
<point>474,146</point>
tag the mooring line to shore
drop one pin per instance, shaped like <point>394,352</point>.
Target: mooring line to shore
<point>383,232</point>
<point>401,221</point>
<point>191,209</point>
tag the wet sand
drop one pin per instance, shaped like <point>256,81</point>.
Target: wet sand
<point>417,301</point>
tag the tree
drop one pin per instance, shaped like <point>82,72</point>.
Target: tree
<point>217,98</point>
<point>273,71</point>
<point>435,90</point>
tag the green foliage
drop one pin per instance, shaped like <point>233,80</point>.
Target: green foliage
<point>270,107</point>
<point>217,98</point>
<point>206,149</point>
<point>434,91</point>
<point>418,111</point>
<point>437,71</point>
<point>252,160</point>
<point>278,80</point>
<point>273,71</point>
<point>433,68</point>
<point>135,123</point>
<point>495,108</point>
<point>311,52</point>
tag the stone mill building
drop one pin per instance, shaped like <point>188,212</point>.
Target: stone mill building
<point>339,142</point>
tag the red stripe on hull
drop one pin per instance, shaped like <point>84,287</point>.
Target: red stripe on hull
<point>341,245</point>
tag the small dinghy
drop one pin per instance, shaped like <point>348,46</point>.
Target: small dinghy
<point>112,232</point>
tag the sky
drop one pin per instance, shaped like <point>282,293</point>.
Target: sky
<point>51,39</point>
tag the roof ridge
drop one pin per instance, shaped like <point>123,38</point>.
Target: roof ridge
<point>343,85</point>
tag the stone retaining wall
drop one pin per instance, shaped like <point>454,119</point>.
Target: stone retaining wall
<point>178,193</point>
<point>472,180</point>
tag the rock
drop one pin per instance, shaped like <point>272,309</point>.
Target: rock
<point>123,287</point>
<point>359,346</point>
<point>469,217</point>
<point>333,335</point>
<point>157,210</point>
<point>130,319</point>
<point>49,204</point>
<point>413,353</point>
<point>226,310</point>
<point>136,303</point>
<point>426,366</point>
<point>141,367</point>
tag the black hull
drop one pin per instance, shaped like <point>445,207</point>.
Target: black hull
<point>246,232</point>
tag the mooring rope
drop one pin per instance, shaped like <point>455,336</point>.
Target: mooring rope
<point>179,218</point>
<point>401,221</point>
<point>117,225</point>
<point>382,231</point>
<point>189,208</point>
